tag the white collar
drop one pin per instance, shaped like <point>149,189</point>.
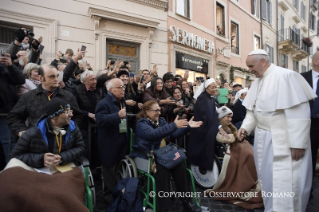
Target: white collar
<point>315,74</point>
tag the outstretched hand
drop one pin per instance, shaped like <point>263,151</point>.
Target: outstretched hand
<point>181,123</point>
<point>194,124</point>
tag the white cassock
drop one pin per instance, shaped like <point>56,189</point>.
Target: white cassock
<point>278,109</point>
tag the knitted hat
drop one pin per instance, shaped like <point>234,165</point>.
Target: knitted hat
<point>121,72</point>
<point>55,107</point>
<point>223,111</point>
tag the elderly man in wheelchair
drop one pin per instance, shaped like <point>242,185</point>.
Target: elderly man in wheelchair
<point>50,147</point>
<point>151,134</point>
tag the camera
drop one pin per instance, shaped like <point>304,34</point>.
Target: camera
<point>176,79</point>
<point>29,33</point>
<point>112,62</point>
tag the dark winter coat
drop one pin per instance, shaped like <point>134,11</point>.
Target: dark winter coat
<point>202,140</point>
<point>148,134</point>
<point>33,144</point>
<point>31,107</point>
<point>239,113</point>
<point>10,77</point>
<point>86,104</point>
<point>113,145</point>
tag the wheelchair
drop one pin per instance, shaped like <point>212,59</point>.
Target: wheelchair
<point>89,197</point>
<point>141,168</point>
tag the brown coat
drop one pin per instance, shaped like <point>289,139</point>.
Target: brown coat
<point>238,175</point>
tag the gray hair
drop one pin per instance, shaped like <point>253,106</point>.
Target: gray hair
<point>28,68</point>
<point>259,57</point>
<point>109,85</point>
<point>85,75</point>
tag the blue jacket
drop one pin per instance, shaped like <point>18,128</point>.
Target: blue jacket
<point>33,144</point>
<point>147,134</point>
<point>113,145</point>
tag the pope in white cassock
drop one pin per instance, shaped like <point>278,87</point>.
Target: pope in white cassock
<point>278,109</point>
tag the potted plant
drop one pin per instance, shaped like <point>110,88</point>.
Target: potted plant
<point>307,41</point>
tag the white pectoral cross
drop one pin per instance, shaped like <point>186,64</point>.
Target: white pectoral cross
<point>260,84</point>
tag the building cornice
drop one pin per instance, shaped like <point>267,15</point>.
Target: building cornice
<point>158,4</point>
<point>124,18</point>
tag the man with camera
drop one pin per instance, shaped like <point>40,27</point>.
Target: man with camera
<point>10,77</point>
<point>16,46</point>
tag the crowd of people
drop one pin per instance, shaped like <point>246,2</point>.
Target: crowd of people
<point>53,113</point>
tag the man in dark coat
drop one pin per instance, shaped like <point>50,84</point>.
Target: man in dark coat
<point>31,105</point>
<point>113,141</point>
<point>88,97</point>
<point>54,140</point>
<point>312,77</point>
<point>202,140</point>
<point>10,77</point>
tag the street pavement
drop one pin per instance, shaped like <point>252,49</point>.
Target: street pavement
<point>214,206</point>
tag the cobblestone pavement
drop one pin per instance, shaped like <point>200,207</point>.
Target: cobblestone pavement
<point>214,206</point>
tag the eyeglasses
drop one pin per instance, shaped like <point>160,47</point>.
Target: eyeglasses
<point>159,83</point>
<point>121,87</point>
<point>157,110</point>
<point>68,112</point>
<point>169,82</point>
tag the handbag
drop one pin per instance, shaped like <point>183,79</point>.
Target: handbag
<point>169,156</point>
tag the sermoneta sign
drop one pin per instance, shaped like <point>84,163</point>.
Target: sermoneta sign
<point>189,39</point>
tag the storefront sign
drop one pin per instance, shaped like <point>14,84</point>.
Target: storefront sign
<point>184,61</point>
<point>189,39</point>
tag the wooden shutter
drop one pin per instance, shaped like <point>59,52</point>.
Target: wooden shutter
<point>270,12</point>
<point>286,61</point>
<point>297,4</point>
<point>253,7</point>
<point>263,9</point>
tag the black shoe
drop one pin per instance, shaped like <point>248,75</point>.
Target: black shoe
<point>190,205</point>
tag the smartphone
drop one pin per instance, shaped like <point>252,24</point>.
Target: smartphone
<point>112,62</point>
<point>131,74</point>
<point>2,52</point>
<point>142,78</point>
<point>83,48</point>
<point>41,48</point>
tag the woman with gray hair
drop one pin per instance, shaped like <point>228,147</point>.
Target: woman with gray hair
<point>32,79</point>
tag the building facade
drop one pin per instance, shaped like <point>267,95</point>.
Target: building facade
<point>132,30</point>
<point>209,37</point>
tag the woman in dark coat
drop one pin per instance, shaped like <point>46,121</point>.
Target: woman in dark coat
<point>202,140</point>
<point>152,132</point>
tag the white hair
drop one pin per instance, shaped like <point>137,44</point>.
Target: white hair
<point>85,75</point>
<point>259,57</point>
<point>109,85</point>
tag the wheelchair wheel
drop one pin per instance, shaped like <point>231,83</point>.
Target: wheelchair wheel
<point>126,168</point>
<point>206,178</point>
<point>90,183</point>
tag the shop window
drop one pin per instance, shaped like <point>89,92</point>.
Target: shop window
<point>296,66</point>
<point>220,19</point>
<point>234,31</point>
<point>256,42</point>
<point>255,8</point>
<point>182,8</point>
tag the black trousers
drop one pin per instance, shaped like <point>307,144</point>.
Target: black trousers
<point>314,137</point>
<point>162,179</point>
<point>109,180</point>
